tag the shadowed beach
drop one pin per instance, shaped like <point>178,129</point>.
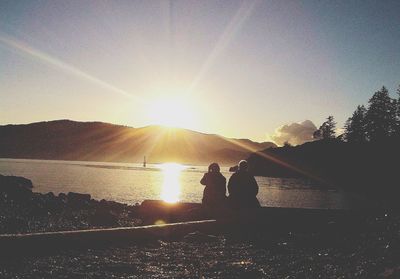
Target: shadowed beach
<point>281,243</point>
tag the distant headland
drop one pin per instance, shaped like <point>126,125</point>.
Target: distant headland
<point>98,141</point>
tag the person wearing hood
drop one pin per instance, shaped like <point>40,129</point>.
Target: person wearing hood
<point>243,189</point>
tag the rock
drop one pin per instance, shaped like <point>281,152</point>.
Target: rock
<point>53,203</point>
<point>133,211</point>
<point>16,180</point>
<point>15,187</point>
<point>49,197</point>
<point>63,197</point>
<point>111,205</point>
<point>77,199</point>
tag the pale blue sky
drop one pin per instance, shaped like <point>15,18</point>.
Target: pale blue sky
<point>244,68</point>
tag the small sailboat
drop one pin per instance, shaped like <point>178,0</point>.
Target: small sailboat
<point>144,161</point>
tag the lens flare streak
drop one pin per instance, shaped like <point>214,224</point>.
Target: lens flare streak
<point>45,58</point>
<point>226,37</point>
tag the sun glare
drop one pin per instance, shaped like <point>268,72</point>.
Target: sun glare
<point>171,187</point>
<point>172,112</point>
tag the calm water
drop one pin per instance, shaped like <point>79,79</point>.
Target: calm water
<point>131,183</point>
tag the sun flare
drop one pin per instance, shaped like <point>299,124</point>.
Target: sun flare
<point>172,112</point>
<point>171,187</point>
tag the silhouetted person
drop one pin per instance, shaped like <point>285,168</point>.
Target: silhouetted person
<point>243,189</point>
<point>214,194</point>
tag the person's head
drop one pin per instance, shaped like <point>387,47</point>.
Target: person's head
<point>243,166</point>
<point>214,167</point>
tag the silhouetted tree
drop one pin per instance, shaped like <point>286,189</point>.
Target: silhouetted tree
<point>317,134</point>
<point>326,130</point>
<point>355,126</point>
<point>381,116</point>
<point>287,144</point>
<point>340,137</point>
<point>397,105</point>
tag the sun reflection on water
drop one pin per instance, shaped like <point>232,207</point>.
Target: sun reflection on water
<point>171,188</point>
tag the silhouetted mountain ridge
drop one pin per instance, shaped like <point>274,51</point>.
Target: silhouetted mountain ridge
<point>99,141</point>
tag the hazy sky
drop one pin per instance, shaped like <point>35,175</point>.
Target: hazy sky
<point>238,68</point>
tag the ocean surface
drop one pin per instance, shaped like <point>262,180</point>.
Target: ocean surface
<point>133,183</point>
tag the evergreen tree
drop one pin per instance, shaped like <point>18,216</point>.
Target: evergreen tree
<point>397,105</point>
<point>355,126</point>
<point>317,134</point>
<point>287,144</point>
<point>381,116</point>
<point>326,130</point>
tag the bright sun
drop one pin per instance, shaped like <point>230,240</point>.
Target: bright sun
<point>172,112</point>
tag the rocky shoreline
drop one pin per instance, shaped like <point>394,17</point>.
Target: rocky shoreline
<point>366,250</point>
<point>24,211</point>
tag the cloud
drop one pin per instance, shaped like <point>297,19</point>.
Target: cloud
<point>294,133</point>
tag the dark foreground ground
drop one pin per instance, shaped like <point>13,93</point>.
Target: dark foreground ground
<point>369,248</point>
<point>364,255</point>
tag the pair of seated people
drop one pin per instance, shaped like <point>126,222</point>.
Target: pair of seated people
<point>242,189</point>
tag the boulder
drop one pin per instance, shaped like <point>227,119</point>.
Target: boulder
<point>52,203</point>
<point>77,199</point>
<point>63,197</point>
<point>15,187</point>
<point>16,180</point>
<point>111,205</point>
